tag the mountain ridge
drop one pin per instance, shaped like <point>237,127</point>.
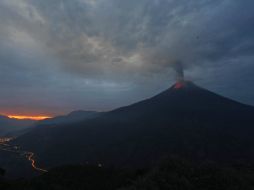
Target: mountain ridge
<point>13,127</point>
<point>189,121</point>
<point>72,117</point>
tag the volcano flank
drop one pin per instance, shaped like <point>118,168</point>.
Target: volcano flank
<point>185,120</point>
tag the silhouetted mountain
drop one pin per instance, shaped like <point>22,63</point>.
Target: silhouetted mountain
<point>10,127</point>
<point>184,120</point>
<point>75,116</point>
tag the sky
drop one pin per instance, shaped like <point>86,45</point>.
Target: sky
<point>57,56</point>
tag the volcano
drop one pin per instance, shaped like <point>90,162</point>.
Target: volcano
<point>185,120</point>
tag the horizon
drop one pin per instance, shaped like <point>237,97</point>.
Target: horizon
<point>126,94</point>
<point>100,55</point>
<point>178,84</point>
<point>31,117</point>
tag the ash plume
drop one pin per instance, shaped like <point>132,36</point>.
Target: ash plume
<point>178,67</point>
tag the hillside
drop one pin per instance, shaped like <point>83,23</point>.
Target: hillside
<point>172,173</point>
<point>12,127</point>
<point>75,116</point>
<point>184,120</point>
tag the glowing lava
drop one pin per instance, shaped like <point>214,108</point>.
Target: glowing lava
<point>179,85</point>
<point>28,117</point>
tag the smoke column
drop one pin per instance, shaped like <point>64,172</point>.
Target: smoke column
<point>178,67</point>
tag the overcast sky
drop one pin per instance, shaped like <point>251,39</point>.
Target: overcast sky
<point>62,55</point>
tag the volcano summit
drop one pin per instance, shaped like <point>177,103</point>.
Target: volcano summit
<point>185,120</point>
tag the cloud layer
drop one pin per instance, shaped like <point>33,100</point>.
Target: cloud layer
<point>59,55</point>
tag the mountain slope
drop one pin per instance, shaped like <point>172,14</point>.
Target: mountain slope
<point>185,120</point>
<point>10,127</point>
<point>75,116</point>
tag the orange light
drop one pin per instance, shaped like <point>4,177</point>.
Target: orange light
<point>28,117</point>
<point>179,85</point>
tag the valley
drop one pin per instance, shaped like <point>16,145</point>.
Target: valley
<point>21,154</point>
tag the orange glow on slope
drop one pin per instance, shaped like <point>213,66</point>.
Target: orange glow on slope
<point>179,85</point>
<point>29,117</point>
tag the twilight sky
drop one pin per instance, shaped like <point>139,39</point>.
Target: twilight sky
<point>62,55</point>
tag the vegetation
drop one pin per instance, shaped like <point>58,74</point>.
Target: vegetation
<point>177,174</point>
<point>173,174</point>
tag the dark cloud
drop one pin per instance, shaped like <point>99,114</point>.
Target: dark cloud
<point>91,51</point>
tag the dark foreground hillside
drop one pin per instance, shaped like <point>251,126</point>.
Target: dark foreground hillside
<point>184,120</point>
<point>172,173</point>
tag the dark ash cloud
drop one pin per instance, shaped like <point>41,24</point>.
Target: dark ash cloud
<point>91,51</point>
